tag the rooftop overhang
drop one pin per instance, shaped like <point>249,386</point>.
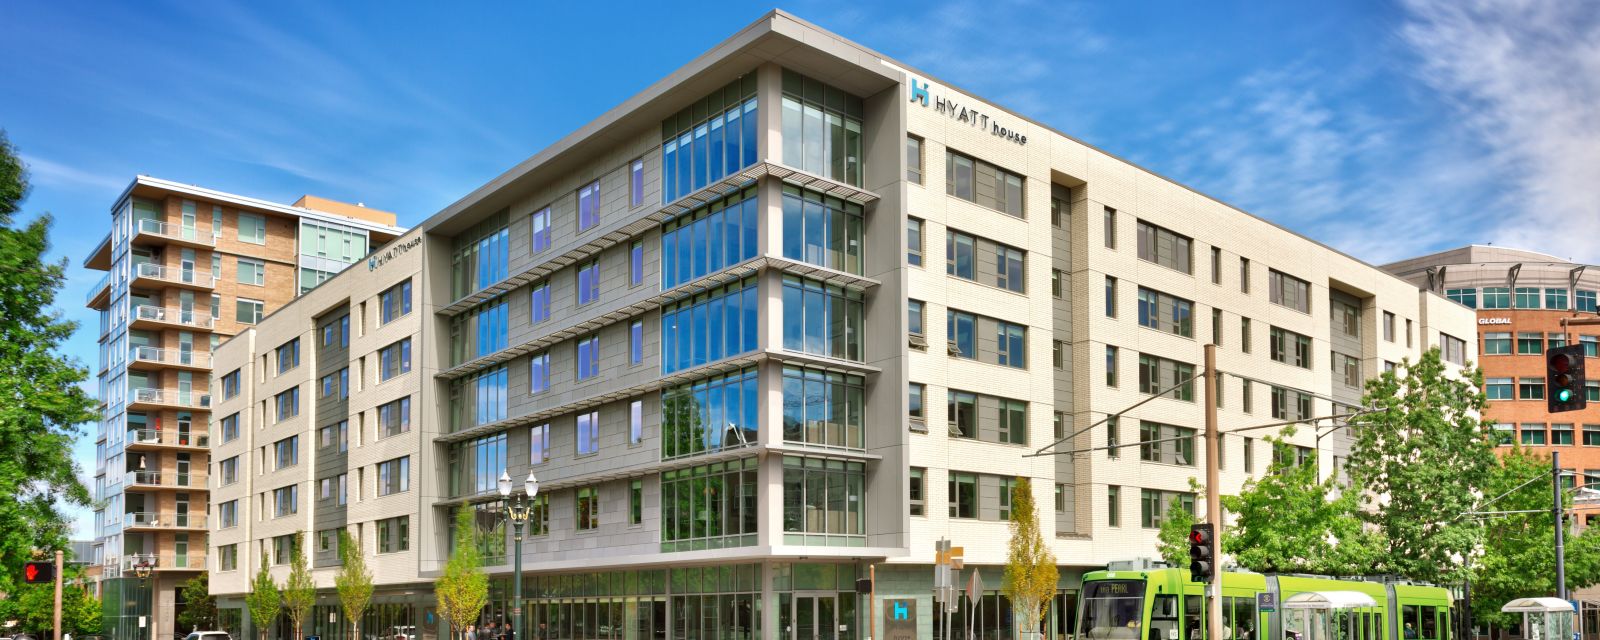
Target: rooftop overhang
<point>99,258</point>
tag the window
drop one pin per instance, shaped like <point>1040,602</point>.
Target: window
<point>337,332</point>
<point>1347,369</point>
<point>710,505</point>
<point>914,159</point>
<point>1113,438</point>
<point>1556,340</point>
<point>1244,334</point>
<point>1056,284</point>
<point>288,403</point>
<point>1498,389</point>
<point>1009,271</point>
<point>821,319</point>
<point>589,357</point>
<point>394,534</point>
<point>252,228</point>
<point>539,373</point>
<point>1345,318</point>
<point>394,418</point>
<point>1012,344</point>
<point>713,414</point>
<point>963,495</point>
<point>822,408</point>
<point>1527,297</point>
<point>636,502</point>
<point>1467,297</point>
<point>821,129</point>
<point>1591,345</point>
<point>1454,349</point>
<point>394,360</point>
<point>1111,366</point>
<point>252,272</point>
<point>961,327</point>
<point>1530,388</point>
<point>588,504</point>
<point>1496,298</point>
<point>636,263</point>
<point>229,470</point>
<point>960,251</point>
<point>1249,455</point>
<point>1060,205</point>
<point>482,330</point>
<point>1156,374</point>
<point>1533,434</point>
<point>1497,343</point>
<point>1289,291</point>
<point>589,282</point>
<point>1154,505</point>
<point>1058,357</point>
<point>914,242</point>
<point>1007,485</point>
<point>1586,301</point>
<point>541,230</point>
<point>916,391</point>
<point>1591,436</point>
<point>636,182</point>
<point>1166,444</point>
<point>228,557</point>
<point>1289,347</point>
<point>1247,398</point>
<point>588,433</point>
<point>589,205</point>
<point>216,306</point>
<point>1216,326</point>
<point>914,309</point>
<point>394,476</point>
<point>1388,327</point>
<point>1061,499</point>
<point>709,326</point>
<point>1505,435</point>
<point>1561,435</point>
<point>1216,265</point>
<point>1163,247</point>
<point>1530,343</point>
<point>288,355</point>
<point>636,422</point>
<point>539,303</point>
<point>248,311</point>
<point>1244,275</point>
<point>230,385</point>
<point>1109,228</point>
<point>539,444</point>
<point>1114,506</point>
<point>1288,404</point>
<point>1013,421</point>
<point>977,181</point>
<point>228,513</point>
<point>230,428</point>
<point>962,412</point>
<point>916,493</point>
<point>1166,313</point>
<point>1111,297</point>
<point>1555,299</point>
<point>394,302</point>
<point>285,501</point>
<point>636,342</point>
<point>690,249</point>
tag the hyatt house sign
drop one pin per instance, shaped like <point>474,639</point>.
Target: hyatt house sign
<point>392,252</point>
<point>927,94</point>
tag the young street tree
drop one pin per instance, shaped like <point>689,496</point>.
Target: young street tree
<point>1519,559</point>
<point>199,608</point>
<point>1423,456</point>
<point>41,400</point>
<point>263,600</point>
<point>1031,576</point>
<point>299,591</point>
<point>1172,540</point>
<point>463,589</point>
<point>33,605</point>
<point>1287,521</point>
<point>354,583</point>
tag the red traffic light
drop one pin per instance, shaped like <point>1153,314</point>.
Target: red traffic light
<point>1560,362</point>
<point>38,573</point>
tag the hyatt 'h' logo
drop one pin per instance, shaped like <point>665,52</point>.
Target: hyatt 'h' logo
<point>945,103</point>
<point>919,93</point>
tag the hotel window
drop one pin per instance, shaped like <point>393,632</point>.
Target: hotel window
<point>394,534</point>
<point>1499,389</point>
<point>1216,326</point>
<point>961,410</point>
<point>1216,266</point>
<point>1154,506</point>
<point>248,311</point>
<point>1111,297</point>
<point>252,272</point>
<point>230,384</point>
<point>588,512</point>
<point>482,330</point>
<point>960,251</point>
<point>228,513</point>
<point>1289,347</point>
<point>821,408</point>
<point>987,185</point>
<point>1561,435</point>
<point>1055,283</point>
<point>914,242</point>
<point>636,342</point>
<point>1388,326</point>
<point>1586,301</point>
<point>823,501</point>
<point>915,394</point>
<point>394,476</point>
<point>1113,438</point>
<point>285,501</point>
<point>286,452</point>
<point>394,302</point>
<point>821,129</point>
<point>1247,397</point>
<point>1012,344</point>
<point>1166,313</point>
<point>1166,444</point>
<point>1527,297</point>
<point>1530,343</point>
<point>712,325</point>
<point>1288,404</point>
<point>692,246</point>
<point>1163,247</point>
<point>588,357</point>
<point>229,470</point>
<point>588,433</point>
<point>1591,435</point>
<point>394,418</point>
<point>914,312</point>
<point>1530,388</point>
<point>961,329</point>
<point>1244,334</point>
<point>636,502</point>
<point>1057,355</point>
<point>1555,299</point>
<point>474,466</point>
<point>1114,506</point>
<point>540,222</point>
<point>821,319</point>
<point>1013,421</point>
<point>216,307</point>
<point>1497,343</point>
<point>710,415</point>
<point>636,263</point>
<point>820,230</point>
<point>1109,228</point>
<point>230,428</point>
<point>539,373</point>
<point>1591,345</point>
<point>1060,205</point>
<point>480,398</point>
<point>1533,434</point>
<point>1288,291</point>
<point>963,495</point>
<point>693,517</point>
<point>1111,366</point>
<point>337,383</point>
<point>539,444</point>
<point>1156,374</point>
<point>589,206</point>
<point>1466,297</point>
<point>1496,298</point>
<point>288,403</point>
<point>1009,271</point>
<point>917,494</point>
<point>1061,499</point>
<point>1007,485</point>
<point>288,355</point>
<point>480,257</point>
<point>914,159</point>
<point>1249,455</point>
<point>1347,369</point>
<point>539,303</point>
<point>1244,275</point>
<point>636,182</point>
<point>1058,424</point>
<point>710,139</point>
<point>252,228</point>
<point>636,422</point>
<point>394,360</point>
<point>589,282</point>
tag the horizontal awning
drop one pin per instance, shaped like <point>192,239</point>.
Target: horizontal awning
<point>1536,605</point>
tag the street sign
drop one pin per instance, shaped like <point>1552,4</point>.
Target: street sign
<point>974,586</point>
<point>1266,602</point>
<point>900,619</point>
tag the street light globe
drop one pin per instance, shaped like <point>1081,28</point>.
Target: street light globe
<point>531,485</point>
<point>505,485</point>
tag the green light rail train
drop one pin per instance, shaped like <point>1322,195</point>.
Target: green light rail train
<point>1163,604</point>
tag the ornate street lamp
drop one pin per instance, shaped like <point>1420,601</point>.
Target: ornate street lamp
<point>518,508</point>
<point>142,568</point>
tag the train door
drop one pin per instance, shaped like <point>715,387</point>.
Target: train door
<point>1164,618</point>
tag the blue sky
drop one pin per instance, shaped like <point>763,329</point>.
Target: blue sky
<point>1385,129</point>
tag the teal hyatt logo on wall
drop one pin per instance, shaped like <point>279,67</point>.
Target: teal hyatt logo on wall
<point>378,260</point>
<point>925,93</point>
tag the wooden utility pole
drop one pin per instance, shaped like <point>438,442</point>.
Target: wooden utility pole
<point>57,626</point>
<point>1213,497</point>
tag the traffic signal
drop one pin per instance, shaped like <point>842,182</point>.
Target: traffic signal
<point>39,573</point>
<point>1564,378</point>
<point>1201,564</point>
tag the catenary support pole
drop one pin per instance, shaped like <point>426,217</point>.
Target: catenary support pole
<point>57,618</point>
<point>1561,525</point>
<point>1213,497</point>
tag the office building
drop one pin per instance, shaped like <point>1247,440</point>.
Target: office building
<point>187,267</point>
<point>718,323</point>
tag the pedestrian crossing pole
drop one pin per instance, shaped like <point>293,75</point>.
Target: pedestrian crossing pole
<point>1213,497</point>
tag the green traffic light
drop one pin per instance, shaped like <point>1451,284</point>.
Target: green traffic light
<point>1564,395</point>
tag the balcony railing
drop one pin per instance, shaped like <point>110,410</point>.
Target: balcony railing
<point>175,232</point>
<point>172,398</point>
<point>169,356</point>
<point>165,479</point>
<point>163,562</point>
<point>97,289</point>
<point>168,437</point>
<point>153,313</point>
<point>165,520</point>
<point>164,273</point>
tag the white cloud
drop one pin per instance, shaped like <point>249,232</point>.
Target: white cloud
<point>46,172</point>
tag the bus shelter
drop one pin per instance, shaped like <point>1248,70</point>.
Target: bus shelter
<point>1317,615</point>
<point>1543,618</point>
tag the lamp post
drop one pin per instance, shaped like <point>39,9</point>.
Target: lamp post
<point>142,568</point>
<point>518,507</point>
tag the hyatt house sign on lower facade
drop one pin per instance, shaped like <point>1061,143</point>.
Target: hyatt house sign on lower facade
<point>762,328</point>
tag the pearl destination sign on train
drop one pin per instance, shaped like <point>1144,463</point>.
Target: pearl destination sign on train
<point>927,94</point>
<point>392,252</point>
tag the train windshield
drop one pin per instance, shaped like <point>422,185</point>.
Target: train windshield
<point>1112,609</point>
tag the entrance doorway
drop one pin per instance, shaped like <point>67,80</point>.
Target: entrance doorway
<point>818,616</point>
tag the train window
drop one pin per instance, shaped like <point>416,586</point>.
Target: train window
<point>1408,618</point>
<point>1244,618</point>
<point>1430,623</point>
<point>1193,620</point>
<point>1164,618</point>
<point>1366,626</point>
<point>1377,623</point>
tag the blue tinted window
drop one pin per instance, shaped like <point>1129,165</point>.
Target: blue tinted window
<point>636,342</point>
<point>541,230</point>
<point>821,319</point>
<point>636,263</point>
<point>706,142</point>
<point>708,239</point>
<point>588,357</point>
<point>823,408</point>
<point>589,205</point>
<point>481,256</point>
<point>539,373</point>
<point>589,282</point>
<point>539,303</point>
<point>961,329</point>
<point>709,327</point>
<point>709,415</point>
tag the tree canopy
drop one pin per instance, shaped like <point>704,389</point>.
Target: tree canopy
<point>1519,559</point>
<point>1031,575</point>
<point>354,582</point>
<point>463,588</point>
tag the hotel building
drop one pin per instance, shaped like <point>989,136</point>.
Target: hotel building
<point>718,322</point>
<point>187,267</point>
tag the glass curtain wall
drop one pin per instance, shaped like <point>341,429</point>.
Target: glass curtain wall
<point>710,326</point>
<point>709,239</point>
<point>821,230</point>
<point>710,415</point>
<point>821,129</point>
<point>709,140</point>
<point>481,256</point>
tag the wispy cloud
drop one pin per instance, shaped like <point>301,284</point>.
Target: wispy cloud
<point>42,171</point>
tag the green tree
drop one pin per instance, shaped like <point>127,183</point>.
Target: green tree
<point>263,600</point>
<point>354,583</point>
<point>199,608</point>
<point>41,400</point>
<point>33,606</point>
<point>299,590</point>
<point>1172,540</point>
<point>1519,559</point>
<point>1288,521</point>
<point>1031,576</point>
<point>463,588</point>
<point>1420,459</point>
